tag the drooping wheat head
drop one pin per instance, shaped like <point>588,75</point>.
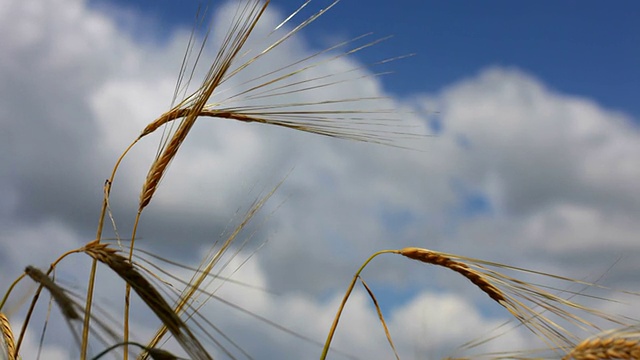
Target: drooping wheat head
<point>59,296</point>
<point>151,297</point>
<point>548,312</point>
<point>435,258</point>
<point>542,309</point>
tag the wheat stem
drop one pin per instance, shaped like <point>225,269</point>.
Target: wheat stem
<point>13,285</point>
<point>336,319</point>
<point>128,289</point>
<point>94,265</point>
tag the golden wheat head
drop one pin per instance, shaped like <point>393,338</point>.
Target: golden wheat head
<point>8,342</point>
<point>605,349</point>
<point>435,258</point>
<point>151,297</point>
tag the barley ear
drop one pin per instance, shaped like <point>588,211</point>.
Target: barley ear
<point>605,348</point>
<point>435,258</point>
<point>8,343</point>
<point>59,296</point>
<point>233,43</point>
<point>151,297</point>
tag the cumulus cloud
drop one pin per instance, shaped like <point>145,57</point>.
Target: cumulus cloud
<point>517,173</point>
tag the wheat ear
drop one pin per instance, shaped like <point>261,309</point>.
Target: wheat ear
<point>8,343</point>
<point>605,348</point>
<point>151,297</point>
<point>64,302</point>
<point>427,256</point>
<point>233,44</point>
<point>434,258</point>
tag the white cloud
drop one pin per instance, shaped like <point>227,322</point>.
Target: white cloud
<point>560,148</point>
<point>558,172</point>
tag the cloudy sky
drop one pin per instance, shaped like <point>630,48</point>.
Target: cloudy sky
<point>531,160</point>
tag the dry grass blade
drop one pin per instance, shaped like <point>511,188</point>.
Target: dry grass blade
<point>151,297</point>
<point>439,259</point>
<point>64,302</point>
<point>8,342</point>
<point>381,317</point>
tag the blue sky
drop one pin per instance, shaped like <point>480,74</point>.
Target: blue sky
<point>587,48</point>
<point>535,162</point>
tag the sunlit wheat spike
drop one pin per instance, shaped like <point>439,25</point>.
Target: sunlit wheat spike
<point>64,302</point>
<point>439,259</point>
<point>8,343</point>
<point>151,297</point>
<point>605,349</point>
<point>269,98</point>
<point>542,309</point>
<point>235,39</point>
<point>620,343</point>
